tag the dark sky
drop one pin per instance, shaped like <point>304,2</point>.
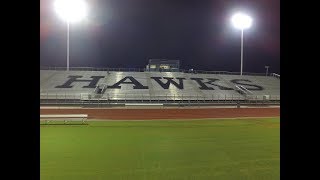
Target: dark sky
<point>126,33</point>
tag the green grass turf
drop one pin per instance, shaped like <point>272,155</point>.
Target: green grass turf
<point>205,149</point>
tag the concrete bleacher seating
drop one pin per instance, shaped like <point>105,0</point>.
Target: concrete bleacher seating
<point>51,81</point>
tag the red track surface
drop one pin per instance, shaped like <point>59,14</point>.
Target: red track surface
<point>144,114</point>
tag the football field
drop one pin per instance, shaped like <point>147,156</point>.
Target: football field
<point>238,149</point>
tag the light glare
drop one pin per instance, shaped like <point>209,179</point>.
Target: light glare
<point>71,10</point>
<point>241,21</point>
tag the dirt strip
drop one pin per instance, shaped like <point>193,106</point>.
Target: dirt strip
<point>145,114</point>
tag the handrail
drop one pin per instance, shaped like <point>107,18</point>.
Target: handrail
<point>276,75</point>
<point>144,70</point>
<point>63,96</point>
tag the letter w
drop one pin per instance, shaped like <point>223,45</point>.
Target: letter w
<point>169,81</point>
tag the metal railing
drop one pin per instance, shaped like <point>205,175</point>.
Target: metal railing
<point>78,99</point>
<point>276,75</point>
<point>144,70</point>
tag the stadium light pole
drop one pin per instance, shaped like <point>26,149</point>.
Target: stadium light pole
<point>241,21</point>
<point>267,70</point>
<point>70,11</point>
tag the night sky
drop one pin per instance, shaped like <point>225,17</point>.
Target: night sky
<point>126,33</point>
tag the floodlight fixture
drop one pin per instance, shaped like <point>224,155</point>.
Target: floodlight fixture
<point>241,21</point>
